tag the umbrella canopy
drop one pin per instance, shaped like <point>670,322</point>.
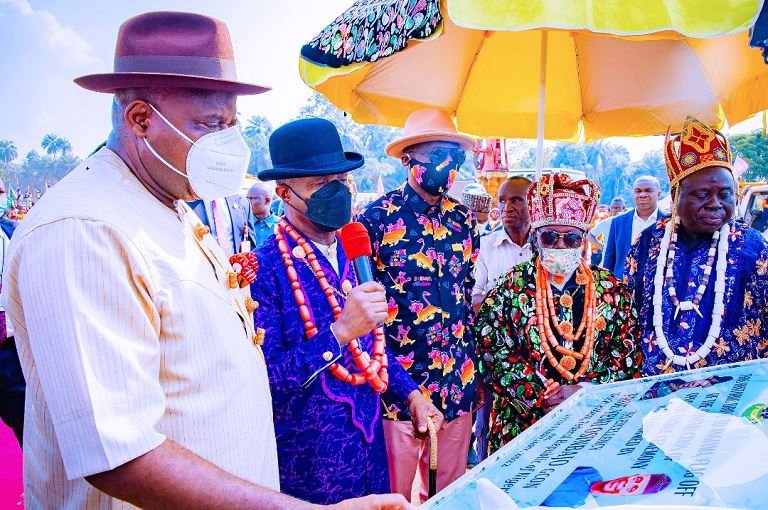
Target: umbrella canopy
<point>612,68</point>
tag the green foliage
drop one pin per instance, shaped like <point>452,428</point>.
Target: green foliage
<point>609,165</point>
<point>8,152</point>
<point>36,169</point>
<point>753,148</point>
<point>55,145</point>
<point>256,133</point>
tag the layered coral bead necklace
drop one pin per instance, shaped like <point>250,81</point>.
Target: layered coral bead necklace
<point>546,317</point>
<point>373,368</point>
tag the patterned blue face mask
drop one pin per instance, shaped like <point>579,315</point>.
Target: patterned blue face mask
<point>434,178</point>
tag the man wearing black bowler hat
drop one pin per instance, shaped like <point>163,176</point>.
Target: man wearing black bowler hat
<point>317,320</point>
<point>146,380</point>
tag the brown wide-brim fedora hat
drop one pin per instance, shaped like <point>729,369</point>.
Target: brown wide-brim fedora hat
<point>428,125</point>
<point>172,49</point>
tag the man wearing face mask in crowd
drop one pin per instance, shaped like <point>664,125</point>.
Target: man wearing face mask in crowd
<point>554,322</point>
<point>135,336</point>
<point>424,247</point>
<point>316,319</point>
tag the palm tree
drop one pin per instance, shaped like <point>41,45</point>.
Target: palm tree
<point>55,145</point>
<point>256,132</point>
<point>652,163</point>
<point>258,126</point>
<point>8,151</point>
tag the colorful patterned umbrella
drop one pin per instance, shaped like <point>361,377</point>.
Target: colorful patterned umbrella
<point>599,69</point>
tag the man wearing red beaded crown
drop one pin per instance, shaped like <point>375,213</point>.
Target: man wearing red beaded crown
<point>326,354</point>
<point>700,279</point>
<point>554,322</point>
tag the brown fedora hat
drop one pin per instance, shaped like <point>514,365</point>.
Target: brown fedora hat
<point>172,49</point>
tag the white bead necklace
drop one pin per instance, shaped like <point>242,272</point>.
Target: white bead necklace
<point>717,312</point>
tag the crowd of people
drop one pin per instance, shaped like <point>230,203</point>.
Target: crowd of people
<point>210,350</point>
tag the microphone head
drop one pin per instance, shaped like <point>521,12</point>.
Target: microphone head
<point>355,240</point>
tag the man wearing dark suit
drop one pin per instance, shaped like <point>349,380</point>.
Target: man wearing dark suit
<point>626,227</point>
<point>228,220</point>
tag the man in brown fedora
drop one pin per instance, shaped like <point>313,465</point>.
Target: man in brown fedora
<point>146,379</point>
<point>424,247</point>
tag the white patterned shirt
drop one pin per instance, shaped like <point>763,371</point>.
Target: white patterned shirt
<point>129,335</point>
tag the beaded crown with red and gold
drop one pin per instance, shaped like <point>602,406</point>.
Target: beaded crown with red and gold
<point>558,200</point>
<point>698,146</point>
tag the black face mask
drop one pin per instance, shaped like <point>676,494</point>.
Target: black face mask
<point>330,207</point>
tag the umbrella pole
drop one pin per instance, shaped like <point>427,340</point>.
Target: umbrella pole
<point>542,96</point>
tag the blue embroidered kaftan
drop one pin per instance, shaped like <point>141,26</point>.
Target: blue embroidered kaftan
<point>329,433</point>
<point>744,329</point>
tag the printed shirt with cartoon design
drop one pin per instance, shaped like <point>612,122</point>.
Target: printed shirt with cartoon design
<point>512,361</point>
<point>744,329</point>
<point>425,257</point>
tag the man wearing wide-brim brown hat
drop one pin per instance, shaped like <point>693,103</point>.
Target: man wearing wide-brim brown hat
<point>425,245</point>
<point>147,381</point>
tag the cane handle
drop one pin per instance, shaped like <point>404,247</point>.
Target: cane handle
<point>432,443</point>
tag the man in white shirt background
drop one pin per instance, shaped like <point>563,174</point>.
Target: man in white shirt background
<point>506,247</point>
<point>625,228</point>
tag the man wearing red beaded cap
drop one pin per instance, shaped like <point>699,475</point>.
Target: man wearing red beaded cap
<point>553,322</point>
<point>327,357</point>
<point>700,279</point>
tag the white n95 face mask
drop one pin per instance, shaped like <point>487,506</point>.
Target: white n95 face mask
<point>216,163</point>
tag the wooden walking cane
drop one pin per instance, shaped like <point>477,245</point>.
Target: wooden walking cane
<point>432,457</point>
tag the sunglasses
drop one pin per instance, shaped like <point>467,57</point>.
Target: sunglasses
<point>440,154</point>
<point>549,238</point>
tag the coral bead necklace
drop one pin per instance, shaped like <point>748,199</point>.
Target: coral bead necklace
<point>546,315</point>
<point>373,368</point>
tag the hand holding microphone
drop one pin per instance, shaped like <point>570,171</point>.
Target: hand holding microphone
<point>366,304</point>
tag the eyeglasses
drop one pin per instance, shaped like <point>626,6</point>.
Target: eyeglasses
<point>440,154</point>
<point>549,238</point>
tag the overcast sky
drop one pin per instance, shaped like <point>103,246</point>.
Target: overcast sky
<point>44,44</point>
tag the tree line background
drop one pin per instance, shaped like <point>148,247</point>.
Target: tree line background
<point>604,161</point>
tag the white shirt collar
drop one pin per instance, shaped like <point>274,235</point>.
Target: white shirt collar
<point>653,215</point>
<point>502,236</point>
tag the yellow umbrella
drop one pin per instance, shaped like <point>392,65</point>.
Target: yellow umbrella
<point>611,68</point>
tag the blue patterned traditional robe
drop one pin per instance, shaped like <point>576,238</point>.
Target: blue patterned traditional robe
<point>330,439</point>
<point>744,329</point>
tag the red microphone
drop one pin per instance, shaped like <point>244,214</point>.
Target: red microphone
<point>357,246</point>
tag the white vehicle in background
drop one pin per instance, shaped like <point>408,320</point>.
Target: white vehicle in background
<point>753,206</point>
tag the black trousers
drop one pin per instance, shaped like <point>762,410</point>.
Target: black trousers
<point>12,388</point>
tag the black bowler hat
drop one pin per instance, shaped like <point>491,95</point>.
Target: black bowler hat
<point>308,148</point>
